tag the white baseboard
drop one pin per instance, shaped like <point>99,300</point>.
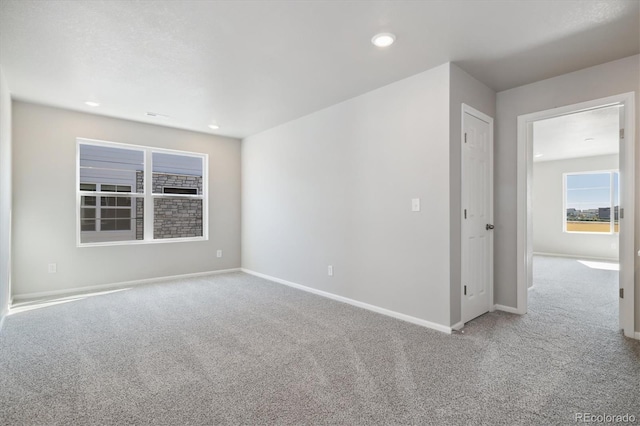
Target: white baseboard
<point>457,326</point>
<point>637,335</point>
<point>377,309</point>
<point>2,322</point>
<point>572,256</point>
<point>77,290</point>
<point>506,309</point>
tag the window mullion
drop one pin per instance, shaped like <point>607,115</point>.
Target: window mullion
<point>98,209</point>
<point>148,199</point>
<point>205,196</point>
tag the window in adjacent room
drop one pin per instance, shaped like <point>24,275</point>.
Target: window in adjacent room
<point>591,202</point>
<point>134,194</point>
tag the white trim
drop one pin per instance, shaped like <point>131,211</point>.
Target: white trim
<point>524,243</point>
<point>2,318</point>
<point>206,195</point>
<point>80,290</point>
<point>149,203</point>
<point>138,242</point>
<point>466,109</point>
<point>457,326</point>
<point>506,309</point>
<point>109,194</point>
<point>78,195</point>
<point>377,309</point>
<point>477,114</point>
<point>572,256</point>
<point>637,335</point>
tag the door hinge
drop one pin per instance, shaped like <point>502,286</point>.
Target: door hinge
<point>621,212</point>
<point>622,293</point>
<point>621,133</point>
<point>465,213</point>
<point>465,290</point>
<point>465,138</point>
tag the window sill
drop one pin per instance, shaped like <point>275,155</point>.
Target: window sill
<point>591,233</point>
<point>141,242</point>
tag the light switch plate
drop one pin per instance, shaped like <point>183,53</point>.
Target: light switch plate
<point>415,204</point>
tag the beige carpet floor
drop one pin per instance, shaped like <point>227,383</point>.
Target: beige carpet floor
<point>236,349</point>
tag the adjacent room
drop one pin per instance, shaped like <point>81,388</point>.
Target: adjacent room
<point>576,227</point>
<point>319,212</point>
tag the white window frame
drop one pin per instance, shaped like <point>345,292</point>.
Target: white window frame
<point>147,195</point>
<point>611,173</point>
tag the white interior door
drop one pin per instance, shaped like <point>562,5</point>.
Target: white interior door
<point>477,214</point>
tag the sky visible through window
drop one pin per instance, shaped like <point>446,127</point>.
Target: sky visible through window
<point>590,191</point>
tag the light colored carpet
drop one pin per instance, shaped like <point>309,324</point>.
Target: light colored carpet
<point>236,349</point>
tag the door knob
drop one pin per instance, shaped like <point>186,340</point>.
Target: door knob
<point>489,226</point>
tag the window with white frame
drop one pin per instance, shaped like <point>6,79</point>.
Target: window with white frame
<point>135,194</point>
<point>591,202</point>
<point>105,213</point>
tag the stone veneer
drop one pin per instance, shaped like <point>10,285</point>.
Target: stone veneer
<point>174,217</point>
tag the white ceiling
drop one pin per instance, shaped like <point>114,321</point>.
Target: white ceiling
<point>251,65</point>
<point>583,134</point>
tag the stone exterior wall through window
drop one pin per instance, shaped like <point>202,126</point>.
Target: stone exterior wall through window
<point>174,217</point>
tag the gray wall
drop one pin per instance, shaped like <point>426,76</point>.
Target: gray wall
<point>335,187</point>
<point>44,185</point>
<point>604,80</point>
<point>5,196</point>
<point>547,209</point>
<point>463,88</point>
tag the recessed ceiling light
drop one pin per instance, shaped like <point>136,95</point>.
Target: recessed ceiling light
<point>92,104</point>
<point>214,126</point>
<point>156,115</point>
<point>538,155</point>
<point>589,140</point>
<point>383,39</point>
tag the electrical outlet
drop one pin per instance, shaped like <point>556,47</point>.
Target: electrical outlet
<point>330,270</point>
<point>53,268</point>
<point>219,253</point>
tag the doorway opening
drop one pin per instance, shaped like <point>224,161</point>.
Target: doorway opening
<point>575,216</point>
<point>576,200</point>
